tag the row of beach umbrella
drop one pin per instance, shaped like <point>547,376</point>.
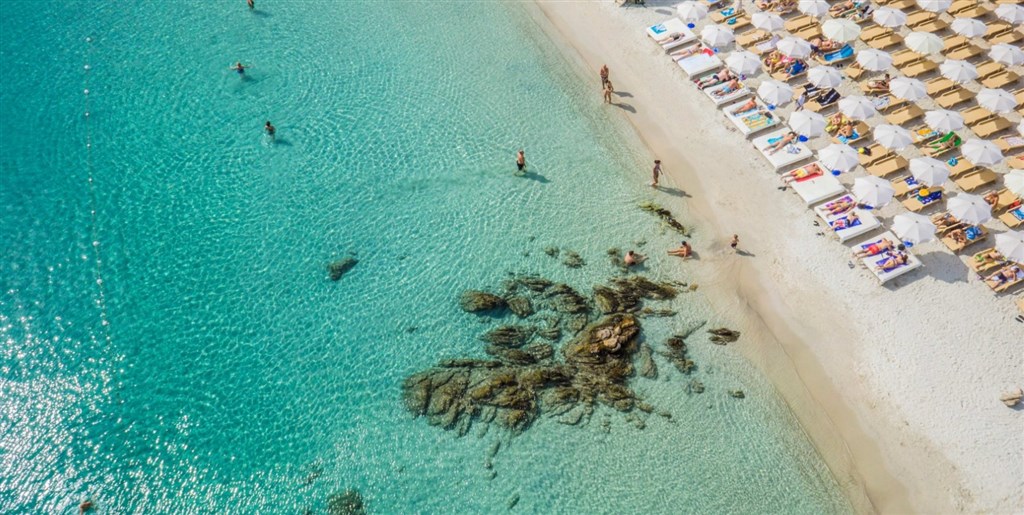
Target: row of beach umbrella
<point>693,11</point>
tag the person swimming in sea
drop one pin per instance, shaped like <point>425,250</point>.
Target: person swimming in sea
<point>270,129</point>
<point>239,67</point>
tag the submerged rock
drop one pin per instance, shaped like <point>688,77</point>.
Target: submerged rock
<point>677,354</point>
<point>521,306</point>
<point>737,394</point>
<point>474,301</point>
<point>573,260</point>
<point>551,251</point>
<point>509,335</point>
<point>348,502</point>
<point>646,366</point>
<point>338,268</point>
<point>722,336</point>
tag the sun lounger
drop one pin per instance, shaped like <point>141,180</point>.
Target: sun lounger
<point>960,167</point>
<point>905,57</point>
<point>752,37</point>
<point>764,47</point>
<point>860,131</point>
<point>831,58</point>
<point>902,5</point>
<point>873,32</point>
<point>919,68</point>
<point>888,40</point>
<point>980,263</point>
<point>668,27</point>
<point>872,262</point>
<point>976,11</point>
<point>750,122</point>
<point>976,114</point>
<point>1000,80</point>
<point>874,153</point>
<point>1013,218</point>
<point>809,33</point>
<point>905,185</point>
<point>797,23</point>
<point>965,52</point>
<point>887,166</point>
<point>924,134</point>
<point>887,103</point>
<point>930,149</point>
<point>721,15</point>
<point>1015,161</point>
<point>919,18</point>
<point>818,189</point>
<point>933,25</point>
<point>793,153</point>
<point>977,179</point>
<point>917,203</point>
<point>719,96</point>
<point>1007,200</point>
<point>784,76</point>
<point>997,28</point>
<point>939,85</point>
<point>1006,286</point>
<point>1009,143</point>
<point>991,126</point>
<point>700,63</point>
<point>955,96</point>
<point>866,222</point>
<point>1009,37</point>
<point>961,5</point>
<point>904,114</point>
<point>974,234</point>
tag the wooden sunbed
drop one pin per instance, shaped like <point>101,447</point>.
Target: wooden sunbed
<point>1007,285</point>
<point>808,33</point>
<point>1006,199</point>
<point>976,11</point>
<point>932,152</point>
<point>919,68</point>
<point>939,85</point>
<point>901,188</point>
<point>887,166</point>
<point>904,114</point>
<point>991,126</point>
<point>886,41</point>
<point>905,57</point>
<point>738,22</point>
<point>955,96</point>
<point>932,25</point>
<point>1000,79</point>
<point>997,28</point>
<point>1009,37</point>
<point>915,205</point>
<point>1009,144</point>
<point>975,180</point>
<point>1010,220</point>
<point>1019,97</point>
<point>820,58</point>
<point>961,167</point>
<point>878,152</point>
<point>976,114</point>
<point>959,47</point>
<point>957,247</point>
<point>782,76</point>
<point>862,131</point>
<point>721,15</point>
<point>919,18</point>
<point>752,37</point>
<point>875,31</point>
<point>902,5</point>
<point>799,22</point>
<point>854,71</point>
<point>893,104</point>
<point>979,264</point>
<point>1015,161</point>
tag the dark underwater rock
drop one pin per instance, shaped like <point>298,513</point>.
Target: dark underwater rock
<point>474,301</point>
<point>338,268</point>
<point>348,502</point>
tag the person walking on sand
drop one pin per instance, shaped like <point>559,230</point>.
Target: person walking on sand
<point>270,129</point>
<point>608,90</point>
<point>604,75</point>
<point>520,162</point>
<point>656,172</point>
<point>735,242</point>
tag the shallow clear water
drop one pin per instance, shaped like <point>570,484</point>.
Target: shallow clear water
<point>230,363</point>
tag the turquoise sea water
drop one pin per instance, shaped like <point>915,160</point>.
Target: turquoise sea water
<point>229,367</point>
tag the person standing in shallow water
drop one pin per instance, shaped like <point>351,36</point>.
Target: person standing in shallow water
<point>251,3</point>
<point>656,172</point>
<point>608,90</point>
<point>604,75</point>
<point>270,129</point>
<point>520,162</point>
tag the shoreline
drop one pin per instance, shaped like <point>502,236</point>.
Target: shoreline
<point>816,363</point>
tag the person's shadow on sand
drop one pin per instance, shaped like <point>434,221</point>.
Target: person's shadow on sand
<point>625,107</point>
<point>675,192</point>
<point>624,94</point>
<point>745,253</point>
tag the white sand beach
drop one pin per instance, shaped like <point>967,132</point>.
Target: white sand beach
<point>897,385</point>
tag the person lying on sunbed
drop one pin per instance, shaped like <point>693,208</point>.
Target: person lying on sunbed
<point>893,261</point>
<point>945,221</point>
<point>963,235</point>
<point>950,140</point>
<point>783,6</point>
<point>671,38</point>
<point>863,12</point>
<point>876,248</point>
<point>821,45</point>
<point>838,9</point>
<point>835,122</point>
<point>992,198</point>
<point>879,86</point>
<point>715,78</point>
<point>847,133</point>
<point>1005,275</point>
<point>778,144</point>
<point>988,257</point>
<point>772,60</point>
<point>804,172</point>
<point>795,68</point>
<point>828,98</point>
<point>845,222</point>
<point>690,52</point>
<point>838,207</point>
<point>747,107</point>
<point>730,88</point>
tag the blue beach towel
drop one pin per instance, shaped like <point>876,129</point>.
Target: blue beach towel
<point>972,232</point>
<point>842,53</point>
<point>833,222</point>
<point>887,256</point>
<point>1018,213</point>
<point>933,197</point>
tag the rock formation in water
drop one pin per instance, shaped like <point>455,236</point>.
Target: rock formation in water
<point>338,268</point>
<point>348,502</point>
<point>665,215</point>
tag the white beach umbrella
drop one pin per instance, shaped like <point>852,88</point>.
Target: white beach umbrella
<point>969,208</point>
<point>815,8</point>
<point>838,156</point>
<point>969,27</point>
<point>716,35</point>
<point>996,100</point>
<point>929,171</point>
<point>794,47</point>
<point>840,29</point>
<point>981,152</point>
<point>807,123</point>
<point>1014,181</point>
<point>743,63</point>
<point>1010,13</point>
<point>857,107</point>
<point>934,6</point>
<point>913,228</point>
<point>1011,245</point>
<point>889,17</point>
<point>1007,54</point>
<point>873,191</point>
<point>907,89</point>
<point>958,71</point>
<point>692,11</point>
<point>923,42</point>
<point>767,21</point>
<point>775,92</point>
<point>943,121</point>
<point>874,60</point>
<point>824,77</point>
<point>893,137</point>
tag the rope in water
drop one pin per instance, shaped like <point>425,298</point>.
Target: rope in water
<point>101,297</point>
